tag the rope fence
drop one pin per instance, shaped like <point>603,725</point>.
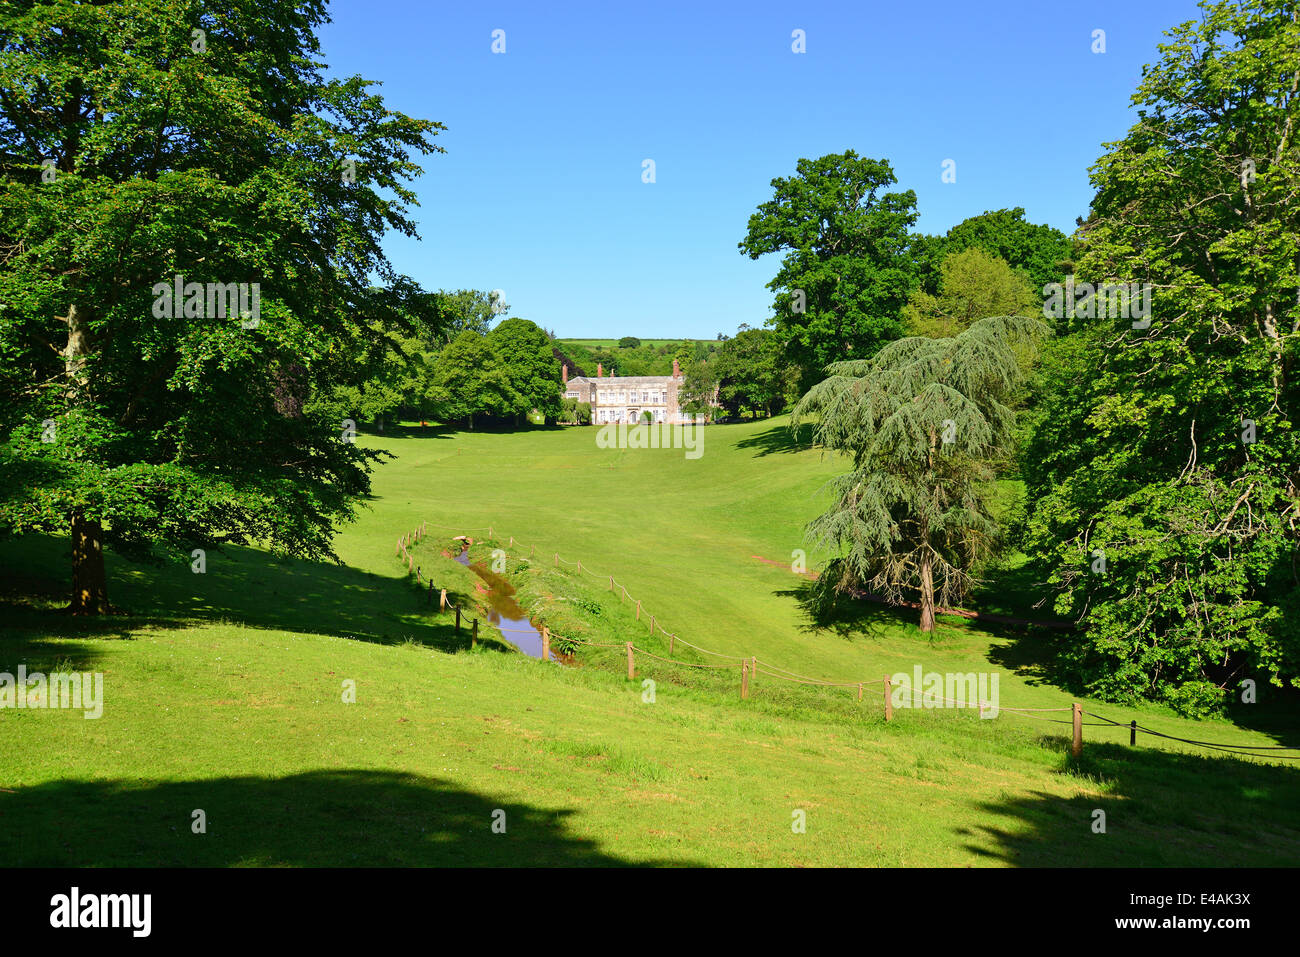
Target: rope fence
<point>750,666</point>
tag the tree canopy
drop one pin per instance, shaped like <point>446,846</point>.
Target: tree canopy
<point>846,271</point>
<point>924,423</point>
<point>147,146</point>
<point>1164,459</point>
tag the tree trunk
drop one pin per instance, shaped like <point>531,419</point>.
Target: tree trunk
<point>927,594</point>
<point>89,582</point>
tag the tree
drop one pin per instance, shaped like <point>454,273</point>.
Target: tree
<point>629,342</point>
<point>465,309</point>
<point>470,380</point>
<point>145,146</point>
<point>696,394</point>
<point>1164,461</point>
<point>847,269</point>
<point>1043,253</point>
<point>525,355</point>
<point>925,422</point>
<point>392,375</point>
<point>973,285</point>
<point>752,372</point>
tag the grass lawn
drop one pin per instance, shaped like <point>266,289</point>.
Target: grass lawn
<point>224,692</point>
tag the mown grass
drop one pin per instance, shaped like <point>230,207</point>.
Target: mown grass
<point>224,692</point>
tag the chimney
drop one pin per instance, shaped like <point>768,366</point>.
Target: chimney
<point>677,370</point>
<point>599,370</point>
<point>564,373</point>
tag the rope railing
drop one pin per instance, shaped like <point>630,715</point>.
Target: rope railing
<point>751,665</point>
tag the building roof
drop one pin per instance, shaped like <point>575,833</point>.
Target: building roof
<point>625,380</point>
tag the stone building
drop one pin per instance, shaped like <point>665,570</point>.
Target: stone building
<point>625,398</point>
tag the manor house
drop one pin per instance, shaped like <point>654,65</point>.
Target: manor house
<point>626,398</point>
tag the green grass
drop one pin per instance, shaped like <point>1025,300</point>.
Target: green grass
<point>224,692</point>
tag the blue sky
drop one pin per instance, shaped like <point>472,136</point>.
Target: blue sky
<point>540,192</point>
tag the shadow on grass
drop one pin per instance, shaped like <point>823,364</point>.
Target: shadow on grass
<point>242,586</point>
<point>315,819</point>
<point>850,618</point>
<point>779,438</point>
<point>1161,809</point>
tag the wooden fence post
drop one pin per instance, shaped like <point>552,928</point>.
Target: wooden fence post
<point>889,700</point>
<point>430,599</point>
<point>1132,733</point>
<point>631,666</point>
<point>638,610</point>
<point>458,617</point>
<point>859,690</point>
<point>530,550</point>
<point>652,624</point>
<point>744,680</point>
<point>579,566</point>
<point>671,641</point>
<point>557,559</point>
<point>1076,746</point>
<point>611,582</point>
<point>546,643</point>
<point>473,635</point>
<point>442,600</point>
<point>753,667</point>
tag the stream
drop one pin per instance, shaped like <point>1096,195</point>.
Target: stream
<point>505,613</point>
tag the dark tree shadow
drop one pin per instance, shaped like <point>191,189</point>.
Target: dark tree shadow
<point>779,438</point>
<point>1162,809</point>
<point>314,819</point>
<point>398,430</point>
<point>244,586</point>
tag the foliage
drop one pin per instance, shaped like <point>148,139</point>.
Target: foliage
<point>1164,460</point>
<point>925,422</point>
<point>236,162</point>
<point>525,354</point>
<point>973,285</point>
<point>698,389</point>
<point>846,272</point>
<point>753,374</point>
<point>470,380</point>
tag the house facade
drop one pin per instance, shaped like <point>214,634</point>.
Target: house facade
<point>627,398</point>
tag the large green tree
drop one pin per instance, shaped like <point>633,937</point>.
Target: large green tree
<point>146,140</point>
<point>1042,252</point>
<point>925,423</point>
<point>846,268</point>
<point>470,381</point>
<point>973,285</point>
<point>753,374</point>
<point>524,352</point>
<point>1165,462</point>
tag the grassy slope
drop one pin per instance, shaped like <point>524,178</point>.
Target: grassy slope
<point>226,697</point>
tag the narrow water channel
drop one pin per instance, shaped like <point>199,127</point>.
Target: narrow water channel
<point>505,613</point>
